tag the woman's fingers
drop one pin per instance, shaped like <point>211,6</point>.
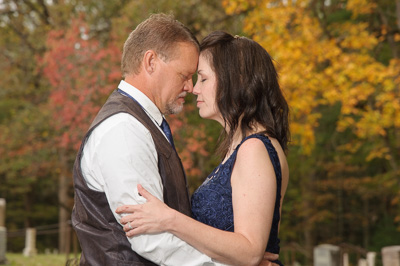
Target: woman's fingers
<point>126,209</point>
<point>132,229</point>
<point>127,218</point>
<point>135,231</point>
<point>132,208</point>
<point>149,217</point>
<point>144,193</point>
<point>128,226</point>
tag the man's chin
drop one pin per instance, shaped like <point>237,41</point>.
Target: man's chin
<point>174,109</point>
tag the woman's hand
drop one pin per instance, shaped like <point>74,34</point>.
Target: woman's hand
<point>152,217</point>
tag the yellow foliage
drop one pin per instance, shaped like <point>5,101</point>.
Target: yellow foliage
<point>235,7</point>
<point>380,152</point>
<point>351,147</point>
<point>318,70</point>
<point>359,7</point>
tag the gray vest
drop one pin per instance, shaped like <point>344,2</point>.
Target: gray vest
<point>101,237</point>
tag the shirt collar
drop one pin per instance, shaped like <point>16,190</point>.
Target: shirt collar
<point>149,107</point>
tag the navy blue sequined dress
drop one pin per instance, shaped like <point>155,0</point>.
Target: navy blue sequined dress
<point>212,201</point>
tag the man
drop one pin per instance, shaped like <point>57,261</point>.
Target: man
<point>126,145</point>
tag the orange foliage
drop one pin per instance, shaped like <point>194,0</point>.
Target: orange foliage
<point>82,74</point>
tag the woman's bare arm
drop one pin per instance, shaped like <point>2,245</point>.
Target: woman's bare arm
<point>253,196</point>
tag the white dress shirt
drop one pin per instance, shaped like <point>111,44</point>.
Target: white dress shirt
<point>119,154</point>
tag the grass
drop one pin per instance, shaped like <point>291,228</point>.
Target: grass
<point>17,259</point>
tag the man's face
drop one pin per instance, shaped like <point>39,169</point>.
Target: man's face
<point>175,78</point>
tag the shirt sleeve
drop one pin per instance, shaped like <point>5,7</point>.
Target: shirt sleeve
<point>125,156</point>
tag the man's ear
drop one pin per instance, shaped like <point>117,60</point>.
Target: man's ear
<point>149,61</point>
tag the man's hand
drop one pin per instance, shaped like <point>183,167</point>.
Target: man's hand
<point>268,258</point>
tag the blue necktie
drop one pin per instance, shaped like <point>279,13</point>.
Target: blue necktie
<point>167,131</point>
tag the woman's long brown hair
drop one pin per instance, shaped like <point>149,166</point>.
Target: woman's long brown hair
<point>248,91</point>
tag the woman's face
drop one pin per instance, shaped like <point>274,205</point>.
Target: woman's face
<point>205,89</point>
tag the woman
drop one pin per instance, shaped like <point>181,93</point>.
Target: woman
<point>237,208</point>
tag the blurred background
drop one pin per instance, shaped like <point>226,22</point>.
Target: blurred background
<point>339,68</point>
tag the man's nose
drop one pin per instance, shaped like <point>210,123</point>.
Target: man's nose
<point>189,86</point>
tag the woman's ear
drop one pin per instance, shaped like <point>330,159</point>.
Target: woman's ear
<point>149,61</point>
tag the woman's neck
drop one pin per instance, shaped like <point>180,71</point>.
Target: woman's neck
<point>238,137</point>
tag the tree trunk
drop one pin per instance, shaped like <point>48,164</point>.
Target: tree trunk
<point>308,236</point>
<point>398,13</point>
<point>307,191</point>
<point>63,212</point>
<point>366,223</point>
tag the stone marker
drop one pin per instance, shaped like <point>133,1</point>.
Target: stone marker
<point>30,243</point>
<point>3,245</point>
<point>362,262</point>
<point>327,255</point>
<point>3,232</point>
<point>391,256</point>
<point>346,259</point>
<point>371,258</point>
<point>2,212</point>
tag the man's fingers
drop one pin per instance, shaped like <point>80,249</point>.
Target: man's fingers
<point>270,256</point>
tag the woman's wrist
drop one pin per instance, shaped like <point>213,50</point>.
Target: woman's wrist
<point>170,224</point>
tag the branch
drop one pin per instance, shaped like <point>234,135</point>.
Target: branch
<point>23,38</point>
<point>43,15</point>
<point>46,13</point>
<point>390,37</point>
<point>398,13</point>
<point>13,62</point>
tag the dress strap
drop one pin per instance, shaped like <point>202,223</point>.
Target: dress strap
<point>272,154</point>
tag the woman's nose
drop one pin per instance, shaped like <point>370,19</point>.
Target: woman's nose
<point>196,89</point>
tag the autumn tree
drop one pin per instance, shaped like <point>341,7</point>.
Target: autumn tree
<point>26,168</point>
<point>35,167</point>
<point>338,63</point>
<point>57,68</point>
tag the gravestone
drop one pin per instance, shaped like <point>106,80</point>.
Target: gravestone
<point>327,255</point>
<point>345,259</point>
<point>362,262</point>
<point>2,213</point>
<point>30,242</point>
<point>3,245</point>
<point>3,232</point>
<point>391,256</point>
<point>371,258</point>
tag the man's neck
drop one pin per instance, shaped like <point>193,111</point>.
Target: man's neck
<point>140,83</point>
